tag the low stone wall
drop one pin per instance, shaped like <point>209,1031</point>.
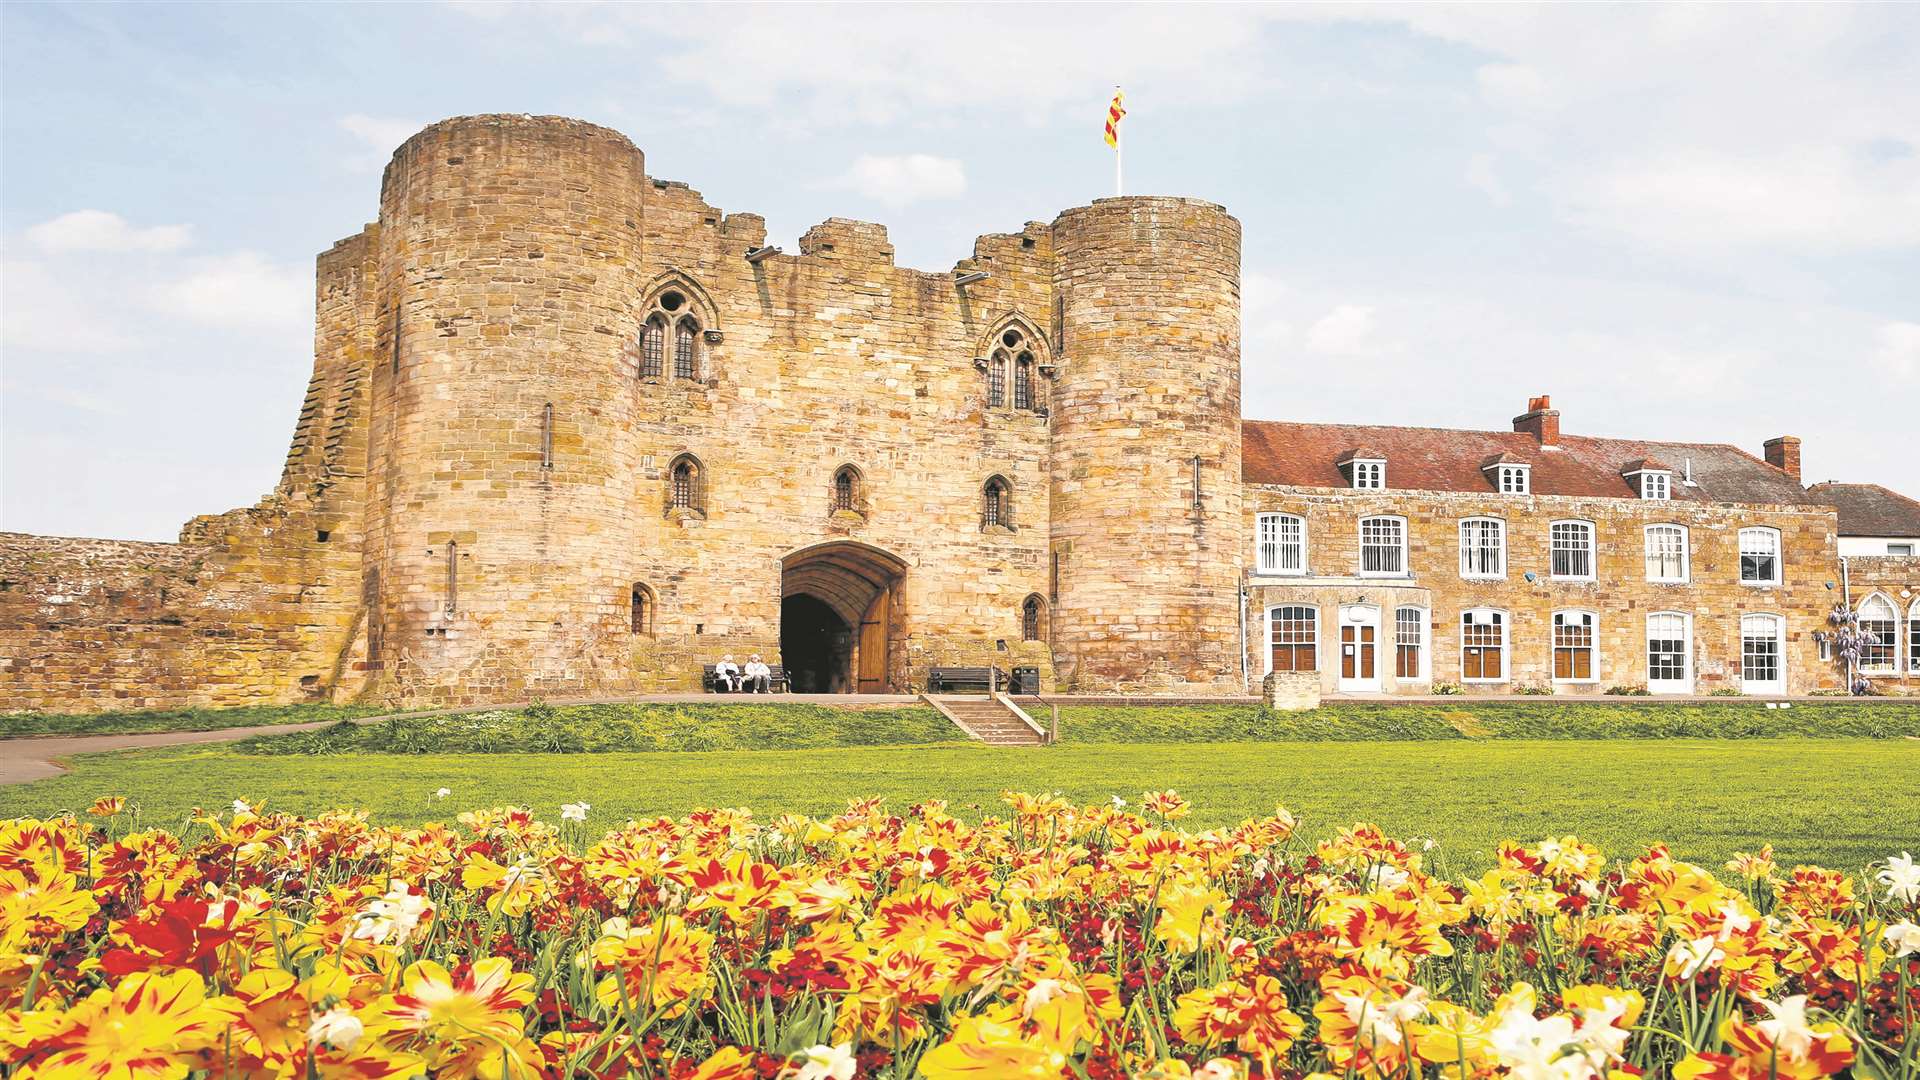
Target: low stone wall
<point>1291,691</point>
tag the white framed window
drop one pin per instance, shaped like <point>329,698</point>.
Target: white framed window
<point>1483,548</point>
<point>1293,638</point>
<point>1369,474</point>
<point>1879,635</point>
<point>1763,662</point>
<point>1514,479</point>
<point>1410,643</point>
<point>1383,547</point>
<point>1913,637</point>
<point>1483,646</point>
<point>1572,554</point>
<point>1759,556</point>
<point>1280,544</point>
<point>1656,485</point>
<point>1575,642</point>
<point>1669,653</point>
<point>1899,549</point>
<point>1667,553</point>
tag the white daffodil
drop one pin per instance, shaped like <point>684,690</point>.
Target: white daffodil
<point>574,811</point>
<point>1385,878</point>
<point>1787,1028</point>
<point>240,807</point>
<point>443,793</point>
<point>1903,938</point>
<point>1693,957</point>
<point>394,917</point>
<point>1119,803</point>
<point>1534,1049</point>
<point>1902,878</point>
<point>825,1063</point>
<point>337,1028</point>
<point>1378,1020</point>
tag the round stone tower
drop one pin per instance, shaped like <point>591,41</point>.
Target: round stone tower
<point>500,444</point>
<point>1145,470</point>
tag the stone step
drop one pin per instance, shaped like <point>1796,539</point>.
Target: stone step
<point>990,721</point>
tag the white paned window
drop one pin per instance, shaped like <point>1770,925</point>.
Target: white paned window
<point>1913,637</point>
<point>1513,479</point>
<point>1899,549</point>
<point>1483,646</point>
<point>1409,642</point>
<point>1483,548</point>
<point>1760,556</point>
<point>1656,485</point>
<point>1666,553</point>
<point>1879,635</point>
<point>1369,475</point>
<point>1668,645</point>
<point>1760,660</point>
<point>1281,543</point>
<point>1574,634</point>
<point>1572,555</point>
<point>1383,546</point>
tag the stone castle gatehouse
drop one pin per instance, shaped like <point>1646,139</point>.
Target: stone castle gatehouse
<point>572,430</point>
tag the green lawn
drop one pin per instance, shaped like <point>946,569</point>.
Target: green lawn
<point>1836,801</point>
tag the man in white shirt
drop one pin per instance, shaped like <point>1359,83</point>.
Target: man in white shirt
<point>759,676</point>
<point>727,673</point>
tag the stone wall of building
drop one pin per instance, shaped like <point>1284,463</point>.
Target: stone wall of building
<point>1896,578</point>
<point>1620,595</point>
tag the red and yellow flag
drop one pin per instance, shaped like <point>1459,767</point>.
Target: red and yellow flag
<point>1114,112</point>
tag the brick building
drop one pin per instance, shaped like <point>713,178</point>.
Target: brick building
<point>573,430</point>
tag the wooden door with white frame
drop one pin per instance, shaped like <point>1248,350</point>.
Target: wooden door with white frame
<point>1359,648</point>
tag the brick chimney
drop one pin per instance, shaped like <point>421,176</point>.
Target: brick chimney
<point>1783,453</point>
<point>1542,421</point>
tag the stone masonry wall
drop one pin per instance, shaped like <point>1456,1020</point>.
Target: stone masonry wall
<point>1619,595</point>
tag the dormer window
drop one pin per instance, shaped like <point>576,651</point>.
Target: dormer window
<point>1513,479</point>
<point>1365,469</point>
<point>1651,479</point>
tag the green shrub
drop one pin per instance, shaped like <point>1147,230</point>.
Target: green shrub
<point>1447,689</point>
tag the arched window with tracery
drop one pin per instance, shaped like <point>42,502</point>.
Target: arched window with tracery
<point>672,329</point>
<point>1879,635</point>
<point>996,504</point>
<point>640,610</point>
<point>686,485</point>
<point>1023,381</point>
<point>1012,357</point>
<point>1032,616</point>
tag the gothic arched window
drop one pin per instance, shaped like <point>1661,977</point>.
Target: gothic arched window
<point>686,485</point>
<point>640,609</point>
<point>996,505</point>
<point>1031,614</point>
<point>686,362</point>
<point>846,489</point>
<point>653,347</point>
<point>1023,381</point>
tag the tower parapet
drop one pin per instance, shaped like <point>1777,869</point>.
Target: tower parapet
<point>1145,461</point>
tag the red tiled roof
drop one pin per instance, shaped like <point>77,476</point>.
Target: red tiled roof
<point>1868,509</point>
<point>1440,459</point>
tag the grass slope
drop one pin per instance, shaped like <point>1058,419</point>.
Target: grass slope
<point>1524,719</point>
<point>1833,801</point>
<point>599,729</point>
<point>144,721</point>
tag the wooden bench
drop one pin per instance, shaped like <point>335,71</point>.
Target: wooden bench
<point>776,680</point>
<point>943,680</point>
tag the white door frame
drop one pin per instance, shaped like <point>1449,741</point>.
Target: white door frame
<point>1779,686</point>
<point>1358,615</point>
<point>1684,684</point>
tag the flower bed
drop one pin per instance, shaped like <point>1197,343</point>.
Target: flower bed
<point>1052,941</point>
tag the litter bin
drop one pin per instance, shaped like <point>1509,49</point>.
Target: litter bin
<point>1026,680</point>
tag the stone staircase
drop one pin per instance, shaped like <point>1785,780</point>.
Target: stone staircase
<point>986,718</point>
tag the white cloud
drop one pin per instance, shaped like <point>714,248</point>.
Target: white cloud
<point>905,178</point>
<point>379,132</point>
<point>1482,178</point>
<point>1898,353</point>
<point>100,230</point>
<point>1347,330</point>
<point>44,310</point>
<point>241,290</point>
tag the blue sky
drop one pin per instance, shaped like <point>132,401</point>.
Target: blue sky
<point>1697,223</point>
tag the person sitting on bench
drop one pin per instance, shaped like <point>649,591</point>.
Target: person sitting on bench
<point>759,676</point>
<point>727,674</point>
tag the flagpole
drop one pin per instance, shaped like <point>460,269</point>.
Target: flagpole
<point>1119,189</point>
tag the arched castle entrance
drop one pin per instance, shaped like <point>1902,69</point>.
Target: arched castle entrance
<point>836,615</point>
